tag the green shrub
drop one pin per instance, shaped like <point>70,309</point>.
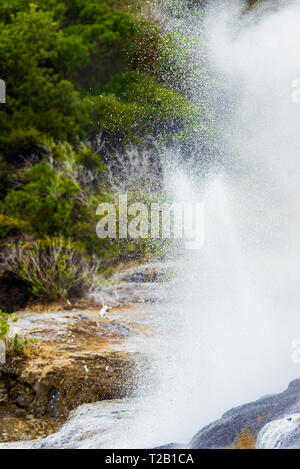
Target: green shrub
<point>47,202</point>
<point>76,70</point>
<point>6,174</point>
<point>136,105</point>
<point>81,165</point>
<point>54,268</point>
<point>68,52</point>
<point>14,343</point>
<point>4,325</point>
<point>9,225</point>
<point>20,143</point>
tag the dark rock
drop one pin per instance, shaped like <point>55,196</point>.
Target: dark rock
<point>253,416</point>
<point>173,446</point>
<point>23,395</point>
<point>53,404</point>
<point>3,392</point>
<point>44,385</point>
<point>116,328</point>
<point>14,294</point>
<point>149,273</point>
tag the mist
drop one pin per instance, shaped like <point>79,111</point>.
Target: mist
<point>224,329</point>
<point>237,299</point>
<point>242,289</point>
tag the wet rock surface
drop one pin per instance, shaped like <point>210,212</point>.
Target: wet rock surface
<point>283,433</point>
<point>137,284</point>
<point>96,425</point>
<point>75,387</point>
<point>13,294</point>
<point>250,417</point>
<point>78,360</point>
<point>80,355</point>
<point>149,273</point>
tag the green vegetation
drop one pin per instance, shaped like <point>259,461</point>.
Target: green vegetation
<point>69,68</point>
<point>52,267</point>
<point>83,83</point>
<point>14,343</point>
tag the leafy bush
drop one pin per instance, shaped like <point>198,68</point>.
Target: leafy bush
<point>68,52</point>
<point>82,83</point>
<point>4,325</point>
<point>82,165</point>
<point>53,268</point>
<point>20,144</point>
<point>135,105</point>
<point>9,225</point>
<point>66,77</point>
<point>47,201</point>
<point>6,174</point>
<point>58,198</point>
<point>14,343</point>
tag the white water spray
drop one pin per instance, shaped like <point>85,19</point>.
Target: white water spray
<point>238,300</point>
<point>233,314</point>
